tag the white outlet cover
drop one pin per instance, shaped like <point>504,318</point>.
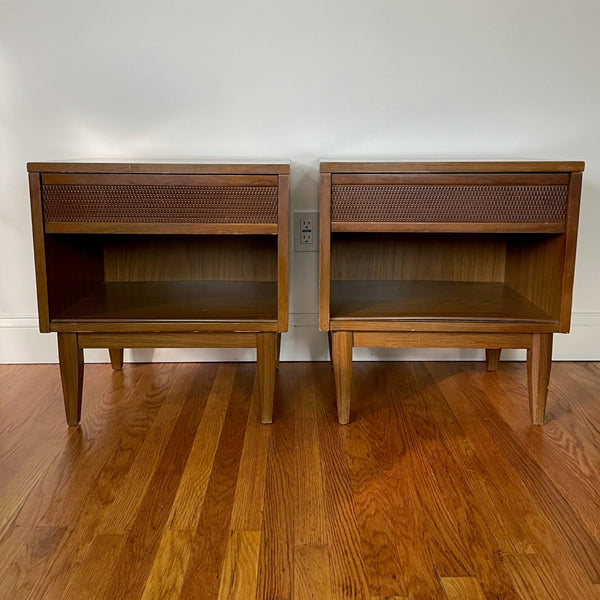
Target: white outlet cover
<point>299,216</point>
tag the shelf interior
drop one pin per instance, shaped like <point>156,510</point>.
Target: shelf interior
<point>175,301</point>
<point>409,300</point>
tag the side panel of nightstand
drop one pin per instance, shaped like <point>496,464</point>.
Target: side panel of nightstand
<point>39,250</point>
<point>283,253</point>
<point>324,250</point>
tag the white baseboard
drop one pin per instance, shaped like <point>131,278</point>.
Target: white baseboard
<point>21,342</point>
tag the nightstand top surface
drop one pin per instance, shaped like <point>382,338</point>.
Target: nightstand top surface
<point>170,166</point>
<point>449,166</point>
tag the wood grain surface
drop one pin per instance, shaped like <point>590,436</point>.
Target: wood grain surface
<point>439,488</point>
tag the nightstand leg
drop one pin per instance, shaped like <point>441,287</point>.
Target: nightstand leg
<point>266,360</point>
<point>116,358</point>
<point>492,358</point>
<point>70,357</point>
<point>341,343</point>
<point>539,362</point>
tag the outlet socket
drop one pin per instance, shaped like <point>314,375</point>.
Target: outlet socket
<point>306,231</point>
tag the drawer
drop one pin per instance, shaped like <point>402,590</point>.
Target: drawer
<point>122,198</point>
<point>491,200</point>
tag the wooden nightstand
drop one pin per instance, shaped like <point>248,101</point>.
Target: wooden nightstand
<point>161,255</point>
<point>448,254</point>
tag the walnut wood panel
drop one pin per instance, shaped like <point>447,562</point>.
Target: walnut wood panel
<point>440,479</point>
<point>568,270</point>
<point>440,339</point>
<point>164,326</point>
<point>534,266</point>
<point>447,227</point>
<point>168,168</point>
<point>190,258</point>
<point>449,179</point>
<point>283,252</point>
<point>39,251</point>
<point>324,250</point>
<point>74,267</point>
<point>367,256</point>
<point>164,301</point>
<point>163,228</point>
<point>537,166</point>
<point>167,340</point>
<point>464,326</point>
<point>154,180</point>
<point>432,301</point>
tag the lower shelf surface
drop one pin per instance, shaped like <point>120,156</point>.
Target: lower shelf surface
<point>169,301</point>
<point>432,301</point>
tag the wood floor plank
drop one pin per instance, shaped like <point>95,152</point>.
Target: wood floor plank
<point>276,562</point>
<point>240,566</point>
<point>312,575</point>
<point>348,576</point>
<point>462,588</point>
<point>309,507</point>
<point>86,581</point>
<point>49,480</point>
<point>247,512</point>
<point>467,542</point>
<point>171,488</point>
<point>374,464</point>
<point>546,516</point>
<point>143,540</point>
<point>170,565</point>
<point>154,397</point>
<point>536,580</point>
<point>191,492</point>
<point>567,448</point>
<point>202,577</point>
<point>419,510</point>
<point>575,483</point>
<point>92,443</point>
<point>165,579</point>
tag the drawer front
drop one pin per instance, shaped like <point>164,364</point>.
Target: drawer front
<point>160,198</point>
<point>449,199</point>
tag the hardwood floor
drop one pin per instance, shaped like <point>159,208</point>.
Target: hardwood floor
<point>439,488</point>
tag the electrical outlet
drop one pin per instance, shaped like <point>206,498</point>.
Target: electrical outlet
<point>306,231</point>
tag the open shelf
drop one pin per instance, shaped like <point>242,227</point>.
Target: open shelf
<point>181,301</point>
<point>443,301</point>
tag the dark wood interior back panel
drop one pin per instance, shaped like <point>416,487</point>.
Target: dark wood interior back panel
<point>533,268</point>
<point>74,266</point>
<point>190,258</point>
<point>436,257</point>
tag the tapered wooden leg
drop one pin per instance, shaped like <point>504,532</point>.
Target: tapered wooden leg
<point>266,359</point>
<point>492,358</point>
<point>70,357</point>
<point>116,358</point>
<point>341,356</point>
<point>539,362</point>
<point>330,349</point>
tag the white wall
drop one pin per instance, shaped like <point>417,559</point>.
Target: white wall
<point>301,80</point>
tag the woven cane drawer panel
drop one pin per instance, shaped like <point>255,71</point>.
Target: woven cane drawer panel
<point>160,203</point>
<point>449,203</point>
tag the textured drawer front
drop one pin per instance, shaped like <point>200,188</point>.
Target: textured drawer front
<point>160,199</point>
<point>449,202</point>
